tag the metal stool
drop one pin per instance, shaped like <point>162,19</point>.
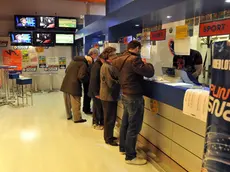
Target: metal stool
<point>13,76</point>
<point>24,92</point>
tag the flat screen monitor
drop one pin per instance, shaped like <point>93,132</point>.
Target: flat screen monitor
<point>25,22</point>
<point>44,39</point>
<point>68,23</point>
<point>64,39</point>
<point>21,38</point>
<point>46,22</point>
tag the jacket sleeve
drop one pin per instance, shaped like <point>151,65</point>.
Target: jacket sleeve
<point>143,69</point>
<point>113,76</point>
<point>95,80</point>
<point>83,74</point>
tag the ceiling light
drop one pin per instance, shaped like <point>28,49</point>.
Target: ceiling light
<point>228,1</point>
<point>169,17</point>
<point>137,25</point>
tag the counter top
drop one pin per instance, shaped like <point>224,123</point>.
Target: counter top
<point>170,95</point>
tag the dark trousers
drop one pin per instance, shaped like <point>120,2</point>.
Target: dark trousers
<point>86,99</point>
<point>98,116</point>
<point>131,125</point>
<point>110,115</point>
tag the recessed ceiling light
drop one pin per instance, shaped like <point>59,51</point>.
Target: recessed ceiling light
<point>228,1</point>
<point>137,25</point>
<point>169,17</point>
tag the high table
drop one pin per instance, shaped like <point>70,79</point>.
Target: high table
<point>4,72</point>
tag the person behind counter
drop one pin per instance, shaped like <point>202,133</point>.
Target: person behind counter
<point>76,74</point>
<point>94,93</point>
<point>92,55</point>
<point>109,94</point>
<point>192,63</point>
<point>132,70</point>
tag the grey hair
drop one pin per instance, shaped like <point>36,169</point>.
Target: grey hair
<point>93,51</point>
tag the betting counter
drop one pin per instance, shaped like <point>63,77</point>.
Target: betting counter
<point>175,138</point>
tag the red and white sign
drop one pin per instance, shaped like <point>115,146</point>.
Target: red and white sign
<point>158,35</point>
<point>221,27</point>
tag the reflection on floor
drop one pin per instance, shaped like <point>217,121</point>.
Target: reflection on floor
<point>40,139</point>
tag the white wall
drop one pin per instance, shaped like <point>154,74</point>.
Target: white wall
<point>9,8</point>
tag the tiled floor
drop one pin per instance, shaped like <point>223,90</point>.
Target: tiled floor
<point>40,139</point>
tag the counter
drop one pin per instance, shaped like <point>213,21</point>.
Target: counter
<point>174,137</point>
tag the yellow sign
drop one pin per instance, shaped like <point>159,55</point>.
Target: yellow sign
<point>154,106</point>
<point>182,32</point>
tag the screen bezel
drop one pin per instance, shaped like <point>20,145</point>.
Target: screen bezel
<point>25,28</point>
<point>38,23</point>
<point>68,18</point>
<point>65,43</point>
<point>18,44</point>
<point>44,45</point>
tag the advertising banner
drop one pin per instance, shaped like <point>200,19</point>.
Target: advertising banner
<point>158,35</point>
<point>217,145</point>
<point>12,58</point>
<point>62,62</point>
<point>42,62</point>
<point>221,27</point>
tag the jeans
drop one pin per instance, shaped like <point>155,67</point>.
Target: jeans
<point>131,124</point>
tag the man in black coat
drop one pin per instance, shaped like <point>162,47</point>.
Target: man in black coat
<point>92,55</point>
<point>76,74</point>
<point>94,93</point>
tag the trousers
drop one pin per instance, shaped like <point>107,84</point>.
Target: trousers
<point>98,116</point>
<point>131,125</point>
<point>73,106</point>
<point>86,99</point>
<point>110,115</point>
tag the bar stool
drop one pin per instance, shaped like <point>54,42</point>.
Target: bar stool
<point>24,92</point>
<point>13,76</point>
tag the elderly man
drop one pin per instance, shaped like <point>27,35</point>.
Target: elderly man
<point>76,74</point>
<point>92,55</point>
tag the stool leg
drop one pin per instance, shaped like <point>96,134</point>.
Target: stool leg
<point>26,95</point>
<point>17,95</point>
<point>31,92</point>
<point>23,103</point>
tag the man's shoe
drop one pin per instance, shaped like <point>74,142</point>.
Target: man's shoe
<point>88,113</point>
<point>113,143</point>
<point>81,121</point>
<point>99,127</point>
<point>136,161</point>
<point>69,118</point>
<point>114,138</point>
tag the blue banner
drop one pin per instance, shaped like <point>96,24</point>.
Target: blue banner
<point>217,146</point>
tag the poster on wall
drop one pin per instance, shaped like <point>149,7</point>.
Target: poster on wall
<point>42,62</point>
<point>12,58</point>
<point>25,56</point>
<point>31,68</point>
<point>62,62</point>
<point>52,64</point>
<point>217,143</point>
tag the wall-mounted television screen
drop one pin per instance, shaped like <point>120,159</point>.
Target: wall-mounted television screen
<point>44,39</point>
<point>46,22</point>
<point>68,23</point>
<point>25,22</point>
<point>21,38</point>
<point>64,39</point>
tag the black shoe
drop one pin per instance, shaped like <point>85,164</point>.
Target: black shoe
<point>81,121</point>
<point>114,138</point>
<point>113,143</point>
<point>69,118</point>
<point>88,113</point>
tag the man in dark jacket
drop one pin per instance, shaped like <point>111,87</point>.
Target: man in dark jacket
<point>92,55</point>
<point>76,74</point>
<point>94,93</point>
<point>132,70</point>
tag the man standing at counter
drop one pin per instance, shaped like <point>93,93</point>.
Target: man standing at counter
<point>192,63</point>
<point>132,70</point>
